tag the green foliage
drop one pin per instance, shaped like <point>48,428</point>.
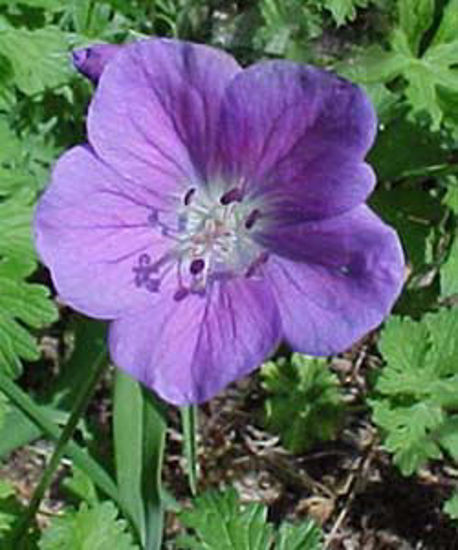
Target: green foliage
<point>344,10</point>
<point>449,271</point>
<point>426,71</point>
<point>288,26</point>
<point>451,506</point>
<point>89,528</point>
<point>37,59</point>
<point>220,522</point>
<point>417,391</point>
<point>80,485</point>
<point>306,536</point>
<point>10,508</point>
<point>304,403</point>
<point>11,511</point>
<point>21,303</point>
<point>4,409</point>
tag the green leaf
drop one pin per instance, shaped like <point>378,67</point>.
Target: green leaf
<point>38,59</point>
<point>20,302</point>
<point>447,31</point>
<point>409,432</point>
<point>418,389</point>
<point>10,508</point>
<point>89,528</point>
<point>4,409</point>
<point>344,10</point>
<point>307,536</point>
<point>44,4</point>
<point>374,65</point>
<point>303,404</point>
<point>447,436</point>
<point>139,431</point>
<point>449,270</point>
<point>430,77</point>
<point>451,197</point>
<point>451,506</point>
<point>287,24</point>
<point>407,372</point>
<point>414,19</point>
<point>81,486</point>
<point>220,522</point>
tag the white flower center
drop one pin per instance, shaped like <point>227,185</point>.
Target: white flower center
<point>211,239</point>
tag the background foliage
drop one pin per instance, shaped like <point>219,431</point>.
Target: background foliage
<point>405,53</point>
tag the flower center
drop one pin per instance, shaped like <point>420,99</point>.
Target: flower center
<point>211,239</point>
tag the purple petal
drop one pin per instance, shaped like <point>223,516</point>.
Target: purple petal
<point>189,350</point>
<point>335,280</point>
<point>155,111</point>
<point>90,228</point>
<point>298,135</point>
<point>92,61</point>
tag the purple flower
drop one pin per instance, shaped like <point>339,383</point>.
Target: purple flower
<point>216,211</point>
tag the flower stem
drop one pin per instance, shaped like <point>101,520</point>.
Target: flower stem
<point>79,407</point>
<point>189,427</point>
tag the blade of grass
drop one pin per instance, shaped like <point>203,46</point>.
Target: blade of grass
<point>78,409</point>
<point>139,434</point>
<point>128,436</point>
<point>79,456</point>
<point>153,453</point>
<point>189,427</point>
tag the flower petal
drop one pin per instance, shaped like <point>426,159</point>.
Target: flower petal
<point>298,134</point>
<point>92,61</point>
<point>189,350</point>
<point>334,280</point>
<point>90,228</point>
<point>155,111</point>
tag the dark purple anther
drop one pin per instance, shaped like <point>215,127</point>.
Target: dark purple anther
<point>144,260</point>
<point>197,266</point>
<point>251,219</point>
<point>188,197</point>
<point>180,294</point>
<point>234,195</point>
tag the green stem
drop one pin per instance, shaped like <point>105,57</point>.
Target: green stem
<point>79,407</point>
<point>189,426</point>
<point>154,422</point>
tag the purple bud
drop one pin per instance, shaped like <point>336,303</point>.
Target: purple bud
<point>92,61</point>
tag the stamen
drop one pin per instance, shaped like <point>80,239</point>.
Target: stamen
<point>188,196</point>
<point>258,262</point>
<point>180,294</point>
<point>234,195</point>
<point>197,266</point>
<point>253,216</point>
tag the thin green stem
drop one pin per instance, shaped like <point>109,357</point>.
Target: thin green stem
<point>154,422</point>
<point>79,407</point>
<point>189,427</point>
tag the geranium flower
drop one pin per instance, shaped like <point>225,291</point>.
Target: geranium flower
<point>216,211</point>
